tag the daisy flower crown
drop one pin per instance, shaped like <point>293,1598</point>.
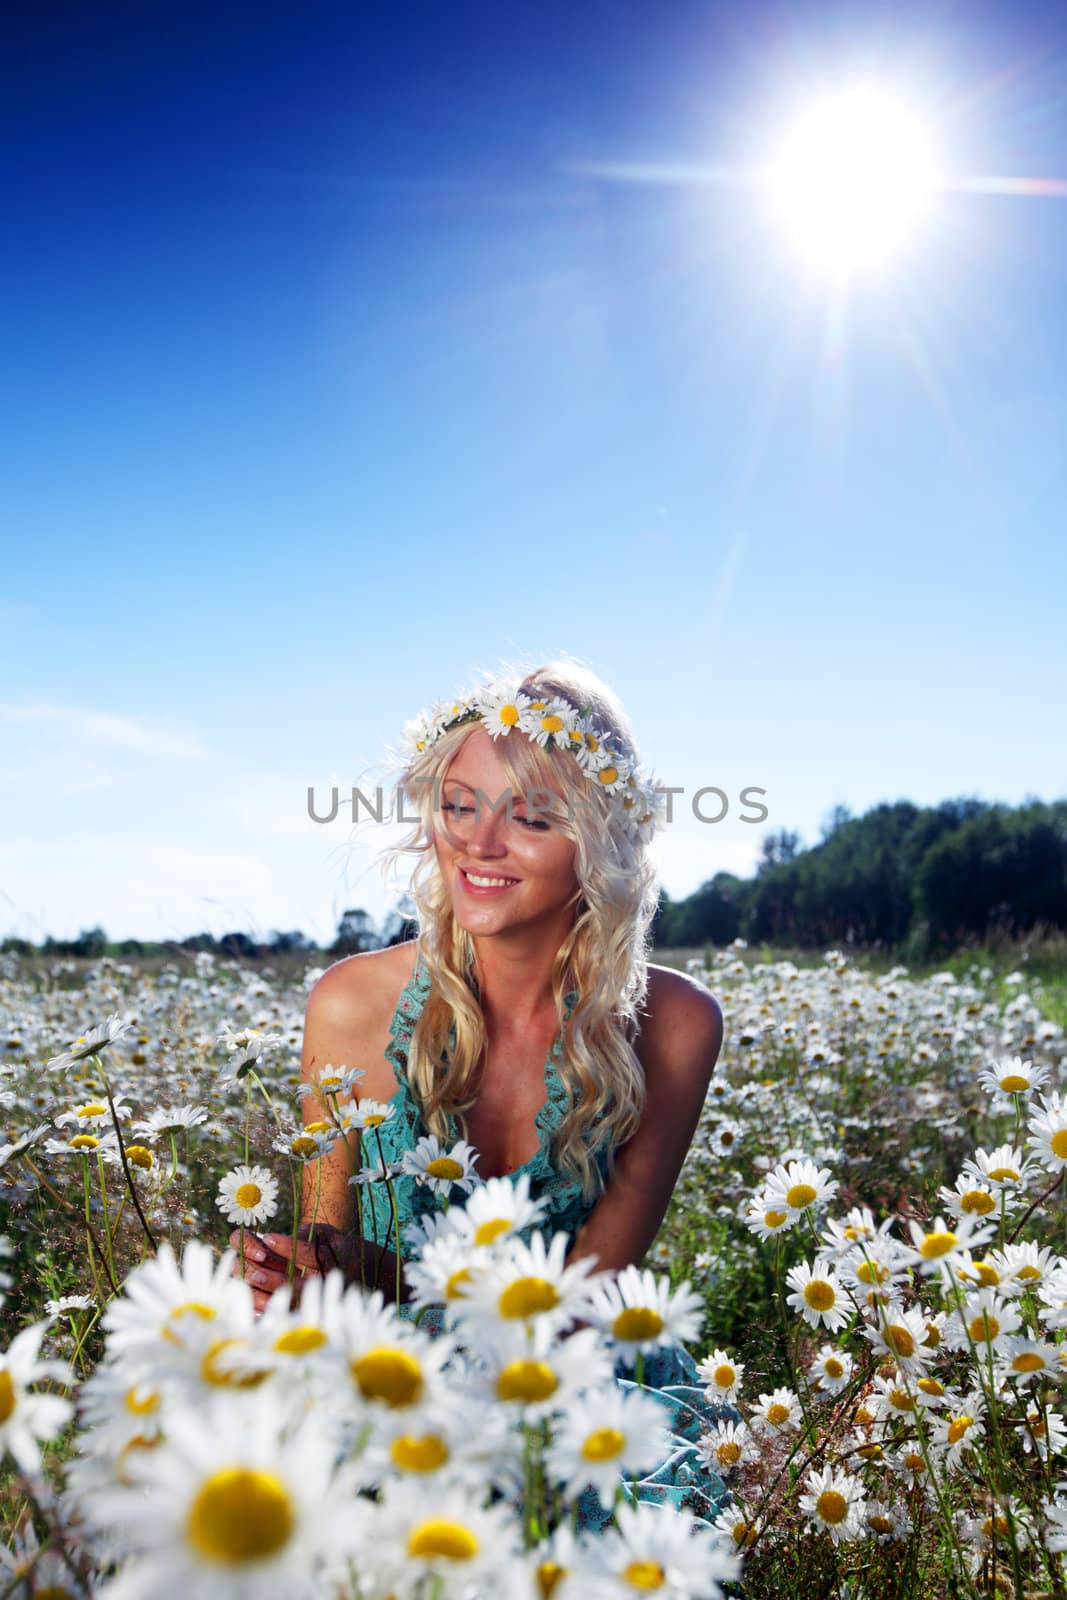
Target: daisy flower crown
<point>554,724</point>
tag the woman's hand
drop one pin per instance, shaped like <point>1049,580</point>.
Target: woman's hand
<point>268,1270</point>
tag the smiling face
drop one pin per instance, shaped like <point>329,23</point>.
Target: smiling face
<point>475,840</point>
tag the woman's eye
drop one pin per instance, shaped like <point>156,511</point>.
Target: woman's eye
<point>530,822</point>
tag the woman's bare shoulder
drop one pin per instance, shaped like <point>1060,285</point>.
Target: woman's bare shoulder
<point>359,985</point>
<point>681,1024</point>
<point>349,1012</point>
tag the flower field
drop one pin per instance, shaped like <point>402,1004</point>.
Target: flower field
<point>865,1254</point>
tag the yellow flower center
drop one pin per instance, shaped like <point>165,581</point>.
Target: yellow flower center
<point>1013,1083</point>
<point>979,1202</point>
<point>1059,1144</point>
<point>93,1109</point>
<point>1027,1361</point>
<point>744,1534</point>
<point>862,1416</point>
<point>141,1408</point>
<point>914,1462</point>
<point>526,1382</point>
<point>1033,1273</point>
<point>7,1396</point>
<point>995,1527</point>
<point>774,1219</point>
<point>933,1336</point>
<point>440,1538</point>
<point>390,1375</point>
<point>637,1323</point>
<point>777,1414</point>
<point>300,1341</point>
<point>900,1340</point>
<point>552,723</point>
<point>936,1245</point>
<point>880,1524</point>
<point>833,1368</point>
<point>987,1273</point>
<point>901,1400</point>
<point>724,1377</point>
<point>603,1445</point>
<point>819,1294</point>
<point>930,1386</point>
<point>832,1506</point>
<point>248,1196</point>
<point>800,1195</point>
<point>423,1453</point>
<point>303,1145</point>
<point>139,1155</point>
<point>454,1287</point>
<point>444,1167</point>
<point>984,1328</point>
<point>728,1453</point>
<point>871,1272</point>
<point>240,1515</point>
<point>549,1575</point>
<point>191,1308</point>
<point>84,1141</point>
<point>958,1427</point>
<point>509,715</point>
<point>317,1127</point>
<point>644,1575</point>
<point>528,1297</point>
<point>489,1232</point>
<point>373,1119</point>
<point>1004,1175</point>
<point>213,1372</point>
<point>608,774</point>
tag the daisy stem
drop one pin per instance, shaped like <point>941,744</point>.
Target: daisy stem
<point>122,1157</point>
<point>108,1242</point>
<point>1042,1197</point>
<point>261,1086</point>
<point>94,1242</point>
<point>248,1112</point>
<point>80,1338</point>
<point>315,1207</point>
<point>291,1269</point>
<point>639,1367</point>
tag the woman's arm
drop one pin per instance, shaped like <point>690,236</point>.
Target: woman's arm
<point>338,1018</point>
<point>679,1046</point>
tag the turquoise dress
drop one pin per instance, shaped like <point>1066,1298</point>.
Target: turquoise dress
<point>670,1376</point>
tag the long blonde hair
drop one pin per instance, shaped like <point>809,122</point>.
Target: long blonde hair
<point>604,956</point>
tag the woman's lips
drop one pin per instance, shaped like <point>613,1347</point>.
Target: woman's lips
<point>484,888</point>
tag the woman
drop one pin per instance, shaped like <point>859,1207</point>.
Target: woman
<point>525,1018</point>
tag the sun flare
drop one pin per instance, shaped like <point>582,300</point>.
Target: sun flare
<point>854,178</point>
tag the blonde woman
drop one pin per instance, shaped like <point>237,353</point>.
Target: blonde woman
<point>525,1019</point>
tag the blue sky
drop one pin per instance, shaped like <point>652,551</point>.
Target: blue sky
<point>342,361</point>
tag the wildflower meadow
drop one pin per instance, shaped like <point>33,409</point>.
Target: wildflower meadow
<point>866,1255</point>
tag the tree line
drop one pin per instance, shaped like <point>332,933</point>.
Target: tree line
<point>920,880</point>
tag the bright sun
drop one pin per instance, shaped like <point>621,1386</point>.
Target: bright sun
<point>855,176</point>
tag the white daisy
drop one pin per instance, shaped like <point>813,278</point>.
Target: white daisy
<point>833,1502</point>
<point>1012,1076</point>
<point>534,1374</point>
<point>831,1369</point>
<point>97,1037</point>
<point>231,1503</point>
<point>1005,1170</point>
<point>902,1334</point>
<point>531,1281</point>
<point>502,707</point>
<point>439,1169</point>
<point>394,1369</point>
<point>765,1216</point>
<point>1030,1360</point>
<point>365,1115</point>
<point>547,722</point>
<point>778,1412</point>
<point>27,1417</point>
<point>985,1322</point>
<point>969,1198</point>
<point>1021,1266</point>
<point>93,1114</point>
<point>497,1209</point>
<point>161,1302</point>
<point>818,1295</point>
<point>607,1432</point>
<point>639,1312</point>
<point>656,1548</point>
<point>727,1444</point>
<point>171,1119</point>
<point>248,1196</point>
<point>430,1528</point>
<point>938,1249</point>
<point>1048,1132</point>
<point>959,1428</point>
<point>796,1185</point>
<point>722,1375</point>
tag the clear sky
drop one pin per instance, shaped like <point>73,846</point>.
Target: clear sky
<point>348,350</point>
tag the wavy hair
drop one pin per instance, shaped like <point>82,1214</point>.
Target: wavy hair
<point>604,956</point>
